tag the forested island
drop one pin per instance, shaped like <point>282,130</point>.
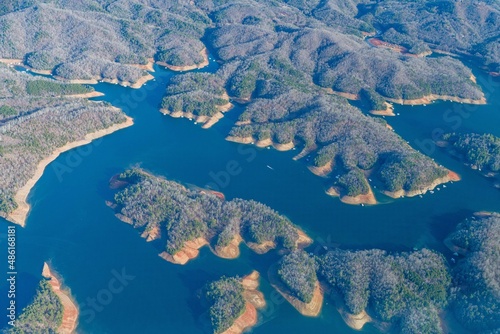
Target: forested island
<point>39,119</point>
<point>480,152</point>
<point>189,219</point>
<point>233,303</point>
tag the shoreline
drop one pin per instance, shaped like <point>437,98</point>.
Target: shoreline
<point>70,309</point>
<point>368,198</point>
<point>261,143</point>
<point>434,97</point>
<point>207,121</point>
<point>231,251</point>
<point>354,321</point>
<point>322,171</point>
<point>191,248</point>
<point>19,215</point>
<point>388,111</point>
<point>86,95</point>
<point>451,176</point>
<point>204,63</point>
<point>311,309</point>
<point>254,300</point>
<point>427,99</point>
<point>189,251</point>
<point>95,80</point>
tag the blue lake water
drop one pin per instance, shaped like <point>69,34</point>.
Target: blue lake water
<point>71,227</point>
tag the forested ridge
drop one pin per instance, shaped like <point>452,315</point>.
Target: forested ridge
<point>149,202</point>
<point>322,41</point>
<point>284,57</point>
<point>405,288</point>
<point>297,271</point>
<point>353,143</point>
<point>36,119</point>
<point>476,276</point>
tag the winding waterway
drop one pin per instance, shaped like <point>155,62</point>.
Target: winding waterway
<point>71,227</point>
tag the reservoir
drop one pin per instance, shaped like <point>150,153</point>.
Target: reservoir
<point>71,227</point>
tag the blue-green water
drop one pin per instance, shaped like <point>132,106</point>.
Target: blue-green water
<point>71,227</point>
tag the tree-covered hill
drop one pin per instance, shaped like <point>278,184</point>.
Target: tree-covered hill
<point>409,288</point>
<point>324,39</point>
<point>227,303</point>
<point>344,137</point>
<point>150,202</point>
<point>102,39</point>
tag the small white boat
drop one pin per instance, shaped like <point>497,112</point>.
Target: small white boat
<point>271,168</point>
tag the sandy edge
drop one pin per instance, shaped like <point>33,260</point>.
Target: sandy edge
<point>70,310</point>
<point>423,100</point>
<point>231,251</point>
<point>261,143</point>
<point>138,84</point>
<point>311,309</point>
<point>322,171</point>
<point>19,215</point>
<point>207,121</point>
<point>254,300</point>
<point>190,250</point>
<point>368,198</point>
<point>451,176</point>
<point>86,95</point>
<point>434,97</point>
<point>388,111</point>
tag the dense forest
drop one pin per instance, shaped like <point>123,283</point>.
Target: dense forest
<point>150,202</point>
<point>352,142</point>
<point>283,57</point>
<point>479,151</point>
<point>322,39</point>
<point>405,288</point>
<point>35,119</point>
<point>476,278</point>
<point>297,271</point>
<point>42,316</point>
<point>196,93</point>
<point>226,300</point>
